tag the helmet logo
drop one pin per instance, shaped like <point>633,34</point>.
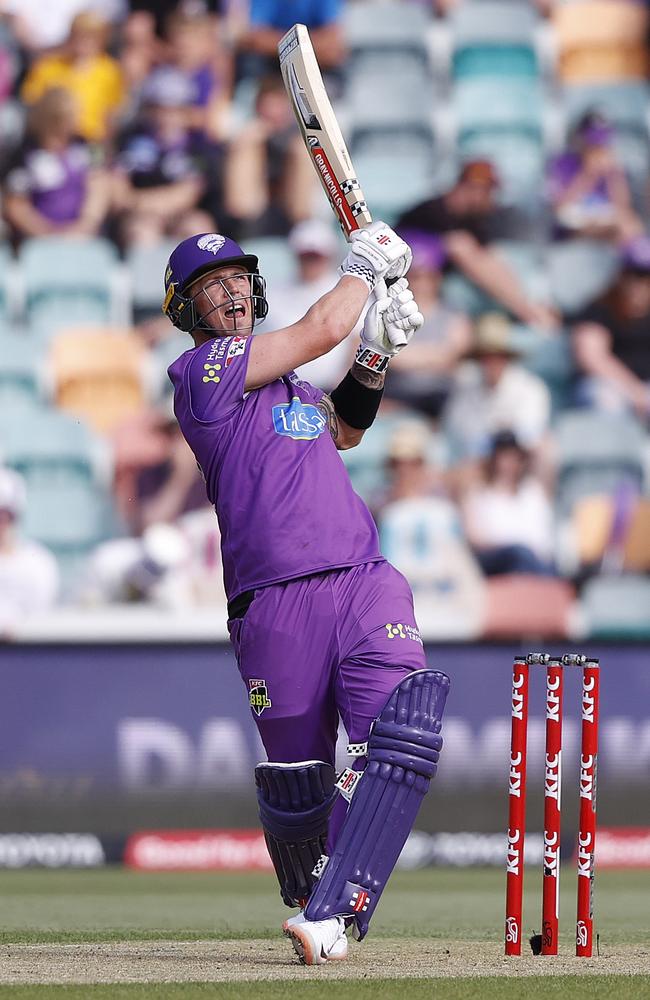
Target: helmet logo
<point>212,242</point>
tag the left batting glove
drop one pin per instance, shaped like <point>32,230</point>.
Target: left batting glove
<point>390,322</point>
<point>376,252</point>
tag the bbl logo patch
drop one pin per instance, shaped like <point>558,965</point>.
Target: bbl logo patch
<point>212,242</point>
<point>395,631</point>
<point>258,696</point>
<point>211,373</point>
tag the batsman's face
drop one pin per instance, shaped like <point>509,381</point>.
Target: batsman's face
<point>224,301</point>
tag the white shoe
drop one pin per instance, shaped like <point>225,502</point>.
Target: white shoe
<point>317,941</point>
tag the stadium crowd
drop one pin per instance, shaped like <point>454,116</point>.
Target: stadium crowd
<point>506,140</point>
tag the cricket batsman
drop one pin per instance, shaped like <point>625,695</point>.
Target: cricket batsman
<point>322,625</point>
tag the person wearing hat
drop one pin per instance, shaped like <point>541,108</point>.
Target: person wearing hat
<point>314,246</point>
<point>611,338</point>
<point>162,166</point>
<point>422,377</point>
<point>29,575</point>
<point>588,188</point>
<point>493,390</point>
<point>84,68</point>
<point>507,516</point>
<point>467,218</point>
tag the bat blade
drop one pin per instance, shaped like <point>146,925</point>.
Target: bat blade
<point>320,129</point>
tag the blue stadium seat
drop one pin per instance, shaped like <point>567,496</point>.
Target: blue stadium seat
<point>552,360</point>
<point>625,104</point>
<point>616,607</point>
<point>498,103</point>
<point>67,282</point>
<point>596,453</point>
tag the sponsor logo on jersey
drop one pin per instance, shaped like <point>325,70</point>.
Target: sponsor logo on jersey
<point>211,373</point>
<point>258,696</point>
<point>297,420</point>
<point>236,347</point>
<point>211,243</point>
<point>401,631</point>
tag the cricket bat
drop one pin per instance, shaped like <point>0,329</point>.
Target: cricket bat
<point>320,130</point>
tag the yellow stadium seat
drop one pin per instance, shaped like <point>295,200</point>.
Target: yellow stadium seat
<point>98,375</point>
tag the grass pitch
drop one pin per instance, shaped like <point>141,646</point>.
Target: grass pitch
<point>438,933</point>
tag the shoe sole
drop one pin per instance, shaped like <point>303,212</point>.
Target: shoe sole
<point>303,946</point>
<point>304,949</point>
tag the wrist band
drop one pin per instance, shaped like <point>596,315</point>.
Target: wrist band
<point>356,404</point>
<point>360,271</point>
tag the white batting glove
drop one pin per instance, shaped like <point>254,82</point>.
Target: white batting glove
<point>390,322</point>
<point>377,252</point>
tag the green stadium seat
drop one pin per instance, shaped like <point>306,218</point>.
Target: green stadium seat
<point>616,607</point>
<point>146,269</point>
<point>69,506</point>
<point>21,370</point>
<point>381,24</point>
<point>481,61</point>
<point>276,261</point>
<point>67,282</point>
<point>596,453</point>
<point>386,88</point>
<point>394,174</point>
<point>493,22</point>
<point>578,271</point>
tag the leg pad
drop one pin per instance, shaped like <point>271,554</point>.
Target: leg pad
<point>403,750</point>
<point>295,802</point>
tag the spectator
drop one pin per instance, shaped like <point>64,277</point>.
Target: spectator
<point>468,219</point>
<point>420,531</point>
<point>315,248</point>
<point>424,380</point>
<point>269,20</point>
<point>162,166</point>
<point>269,181</point>
<point>29,576</point>
<point>611,338</point>
<point>140,51</point>
<point>84,68</point>
<point>156,477</point>
<point>55,184</point>
<point>197,50</point>
<point>508,517</point>
<point>493,392</point>
<point>588,188</point>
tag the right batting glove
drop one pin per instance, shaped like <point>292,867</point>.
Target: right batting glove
<point>377,252</point>
<point>390,322</point>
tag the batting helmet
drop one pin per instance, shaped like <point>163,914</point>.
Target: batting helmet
<point>196,256</point>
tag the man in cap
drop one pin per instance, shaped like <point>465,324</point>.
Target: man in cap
<point>468,219</point>
<point>309,593</point>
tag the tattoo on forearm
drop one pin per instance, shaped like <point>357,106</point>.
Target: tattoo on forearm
<point>371,380</point>
<point>326,406</point>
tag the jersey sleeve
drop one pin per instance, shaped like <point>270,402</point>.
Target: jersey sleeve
<point>215,377</point>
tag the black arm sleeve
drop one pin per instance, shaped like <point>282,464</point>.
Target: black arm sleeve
<point>356,404</point>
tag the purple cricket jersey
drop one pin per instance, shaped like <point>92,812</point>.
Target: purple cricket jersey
<point>283,497</point>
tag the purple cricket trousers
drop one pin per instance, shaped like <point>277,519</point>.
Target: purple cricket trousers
<point>323,646</point>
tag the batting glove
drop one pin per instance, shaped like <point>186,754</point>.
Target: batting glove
<point>377,252</point>
<point>390,322</point>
